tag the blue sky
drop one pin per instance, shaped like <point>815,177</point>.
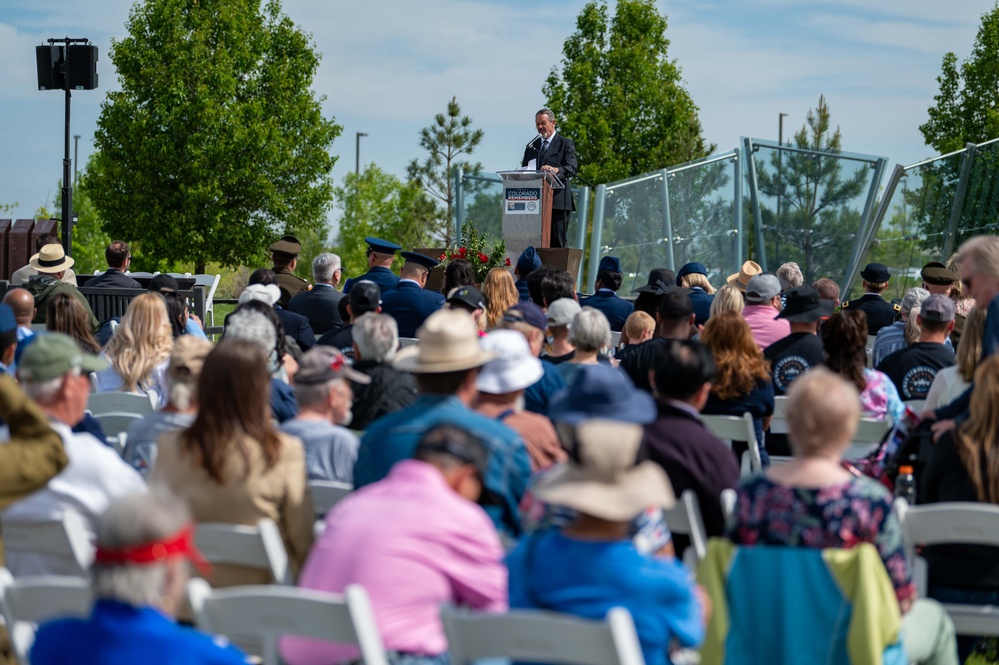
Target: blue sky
<point>389,66</point>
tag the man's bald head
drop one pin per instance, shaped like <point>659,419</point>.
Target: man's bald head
<point>23,304</point>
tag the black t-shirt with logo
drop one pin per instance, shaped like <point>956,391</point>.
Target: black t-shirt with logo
<point>791,357</point>
<point>913,368</point>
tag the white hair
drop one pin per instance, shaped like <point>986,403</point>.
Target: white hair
<point>250,326</point>
<point>323,267</point>
<point>45,392</point>
<point>376,337</point>
<point>589,330</point>
<point>134,520</point>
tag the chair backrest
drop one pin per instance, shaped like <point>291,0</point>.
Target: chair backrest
<point>738,428</point>
<point>116,424</point>
<point>29,601</point>
<point>116,402</point>
<point>257,546</point>
<point>65,543</point>
<point>685,518</point>
<point>956,523</point>
<point>778,423</point>
<point>869,433</point>
<point>869,348</point>
<point>542,637</point>
<point>211,283</point>
<point>262,614</point>
<point>728,500</point>
<point>916,405</point>
<point>615,340</point>
<point>327,493</point>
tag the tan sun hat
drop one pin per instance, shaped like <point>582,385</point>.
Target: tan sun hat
<point>51,259</point>
<point>749,270</point>
<point>604,480</point>
<point>449,342</point>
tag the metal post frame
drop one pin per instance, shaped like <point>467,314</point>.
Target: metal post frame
<point>667,222</point>
<point>962,191</point>
<point>761,250</point>
<point>866,219</point>
<point>582,219</point>
<point>872,229</point>
<point>597,236</point>
<point>739,227</point>
<point>459,204</point>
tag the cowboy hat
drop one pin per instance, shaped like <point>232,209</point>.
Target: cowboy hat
<point>51,259</point>
<point>740,280</point>
<point>602,478</point>
<point>449,342</point>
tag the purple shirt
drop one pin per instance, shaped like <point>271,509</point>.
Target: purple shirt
<point>413,544</point>
<point>766,328</point>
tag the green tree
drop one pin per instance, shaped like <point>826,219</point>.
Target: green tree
<point>817,223</point>
<point>376,203</point>
<point>620,97</point>
<point>446,140</point>
<point>967,106</point>
<point>215,143</point>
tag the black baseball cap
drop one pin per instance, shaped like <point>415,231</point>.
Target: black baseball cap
<point>365,296</point>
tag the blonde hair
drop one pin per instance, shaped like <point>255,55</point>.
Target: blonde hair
<point>501,294</point>
<point>977,438</point>
<point>637,325</point>
<point>692,279</point>
<point>142,341</point>
<point>727,299</point>
<point>969,347</point>
<point>823,410</point>
<point>912,329</point>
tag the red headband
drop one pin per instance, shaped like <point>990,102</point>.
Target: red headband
<point>179,544</point>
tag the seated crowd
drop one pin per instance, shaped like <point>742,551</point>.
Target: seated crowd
<point>504,453</point>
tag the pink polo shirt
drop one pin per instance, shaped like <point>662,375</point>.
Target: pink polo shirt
<point>414,544</point>
<point>766,328</point>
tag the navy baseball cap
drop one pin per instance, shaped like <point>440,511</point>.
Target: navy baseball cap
<point>529,313</point>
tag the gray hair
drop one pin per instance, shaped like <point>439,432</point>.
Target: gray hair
<point>44,392</point>
<point>376,337</point>
<point>134,520</point>
<point>548,112</point>
<point>323,267</point>
<point>181,391</point>
<point>913,298</point>
<point>790,275</point>
<point>589,330</point>
<point>251,326</point>
<point>311,394</point>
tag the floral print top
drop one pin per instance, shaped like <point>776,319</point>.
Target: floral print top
<point>880,398</point>
<point>841,515</point>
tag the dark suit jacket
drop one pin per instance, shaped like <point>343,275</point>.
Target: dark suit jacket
<point>561,154</point>
<point>693,458</point>
<point>616,309</point>
<point>113,279</point>
<point>319,306</point>
<point>410,306</point>
<point>297,327</point>
<point>880,313</point>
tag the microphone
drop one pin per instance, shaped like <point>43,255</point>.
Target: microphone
<point>531,142</point>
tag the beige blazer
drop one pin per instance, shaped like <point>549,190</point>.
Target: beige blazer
<point>280,493</point>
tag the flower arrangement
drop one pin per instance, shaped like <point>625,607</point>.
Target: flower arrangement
<point>475,251</point>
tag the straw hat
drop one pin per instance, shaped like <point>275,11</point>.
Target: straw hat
<point>449,342</point>
<point>51,259</point>
<point>740,280</point>
<point>603,478</point>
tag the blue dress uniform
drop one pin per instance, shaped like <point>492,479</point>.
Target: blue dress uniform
<point>383,277</point>
<point>527,262</point>
<point>116,633</point>
<point>409,303</point>
<point>698,296</point>
<point>616,309</point>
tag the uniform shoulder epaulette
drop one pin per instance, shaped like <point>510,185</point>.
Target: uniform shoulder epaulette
<point>897,307</point>
<point>846,303</point>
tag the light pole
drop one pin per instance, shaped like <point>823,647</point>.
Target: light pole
<point>357,157</point>
<point>76,158</point>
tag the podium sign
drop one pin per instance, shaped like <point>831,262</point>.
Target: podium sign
<point>527,209</point>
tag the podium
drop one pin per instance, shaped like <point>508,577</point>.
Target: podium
<point>527,209</point>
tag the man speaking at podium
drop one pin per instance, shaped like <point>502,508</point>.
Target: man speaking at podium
<point>557,154</point>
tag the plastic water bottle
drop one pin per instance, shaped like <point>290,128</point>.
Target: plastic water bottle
<point>905,485</point>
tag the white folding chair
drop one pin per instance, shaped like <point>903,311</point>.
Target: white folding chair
<point>115,424</point>
<point>63,545</point>
<point>615,340</point>
<point>916,405</point>
<point>116,402</point>
<point>327,493</point>
<point>869,348</point>
<point>728,499</point>
<point>953,523</point>
<point>542,637</point>
<point>257,546</point>
<point>685,518</point>
<point>29,601</point>
<point>778,423</point>
<point>141,273</point>
<point>259,615</point>
<point>212,282</point>
<point>407,341</point>
<point>869,434</point>
<point>738,428</point>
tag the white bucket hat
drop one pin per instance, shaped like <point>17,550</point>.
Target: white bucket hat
<point>515,368</point>
<point>267,293</point>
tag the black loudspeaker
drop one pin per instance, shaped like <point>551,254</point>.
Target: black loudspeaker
<point>82,67</point>
<point>49,62</point>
